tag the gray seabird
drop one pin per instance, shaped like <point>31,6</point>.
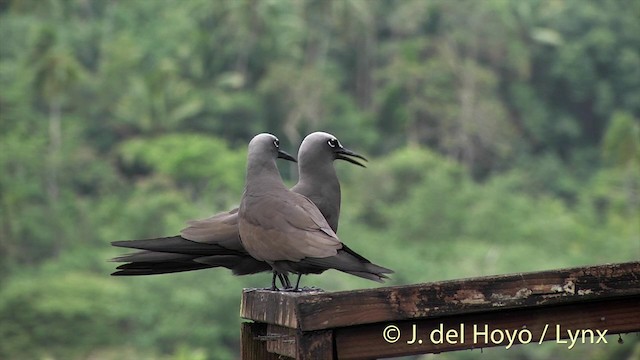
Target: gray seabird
<point>286,229</point>
<point>215,242</point>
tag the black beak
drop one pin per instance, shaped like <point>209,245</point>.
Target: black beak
<point>341,152</point>
<point>284,155</point>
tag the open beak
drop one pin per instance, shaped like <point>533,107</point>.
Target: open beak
<point>343,153</point>
<point>285,155</point>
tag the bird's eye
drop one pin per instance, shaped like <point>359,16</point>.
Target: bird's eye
<point>276,142</point>
<point>333,142</point>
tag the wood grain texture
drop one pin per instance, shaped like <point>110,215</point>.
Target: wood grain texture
<point>542,306</point>
<point>590,319</point>
<point>320,310</point>
<point>252,347</point>
<point>292,343</point>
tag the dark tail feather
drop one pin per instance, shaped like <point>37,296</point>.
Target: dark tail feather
<point>152,268</point>
<point>379,277</point>
<point>175,244</point>
<point>151,263</point>
<point>153,256</point>
<point>238,264</point>
<point>347,261</point>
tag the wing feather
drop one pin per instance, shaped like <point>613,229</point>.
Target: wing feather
<point>285,226</point>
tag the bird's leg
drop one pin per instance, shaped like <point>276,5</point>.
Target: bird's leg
<point>284,280</point>
<point>297,282</point>
<point>281,278</point>
<point>273,282</point>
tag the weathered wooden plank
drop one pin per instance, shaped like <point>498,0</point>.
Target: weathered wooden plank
<point>271,307</point>
<point>252,347</point>
<point>315,345</point>
<point>282,340</point>
<point>300,345</point>
<point>316,311</point>
<point>589,319</point>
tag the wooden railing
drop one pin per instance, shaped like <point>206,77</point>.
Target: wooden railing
<point>569,306</point>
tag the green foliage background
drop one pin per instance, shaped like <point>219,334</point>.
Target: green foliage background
<point>503,136</point>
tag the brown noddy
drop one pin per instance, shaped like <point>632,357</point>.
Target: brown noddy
<point>286,229</point>
<point>215,242</point>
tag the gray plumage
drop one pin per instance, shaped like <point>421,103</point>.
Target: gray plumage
<point>286,229</point>
<point>215,241</point>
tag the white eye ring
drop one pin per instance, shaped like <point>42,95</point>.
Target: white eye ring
<point>333,142</point>
<point>276,143</point>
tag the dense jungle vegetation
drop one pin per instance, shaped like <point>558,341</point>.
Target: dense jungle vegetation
<point>503,136</point>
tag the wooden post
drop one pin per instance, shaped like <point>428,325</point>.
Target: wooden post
<point>252,346</point>
<point>502,310</point>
